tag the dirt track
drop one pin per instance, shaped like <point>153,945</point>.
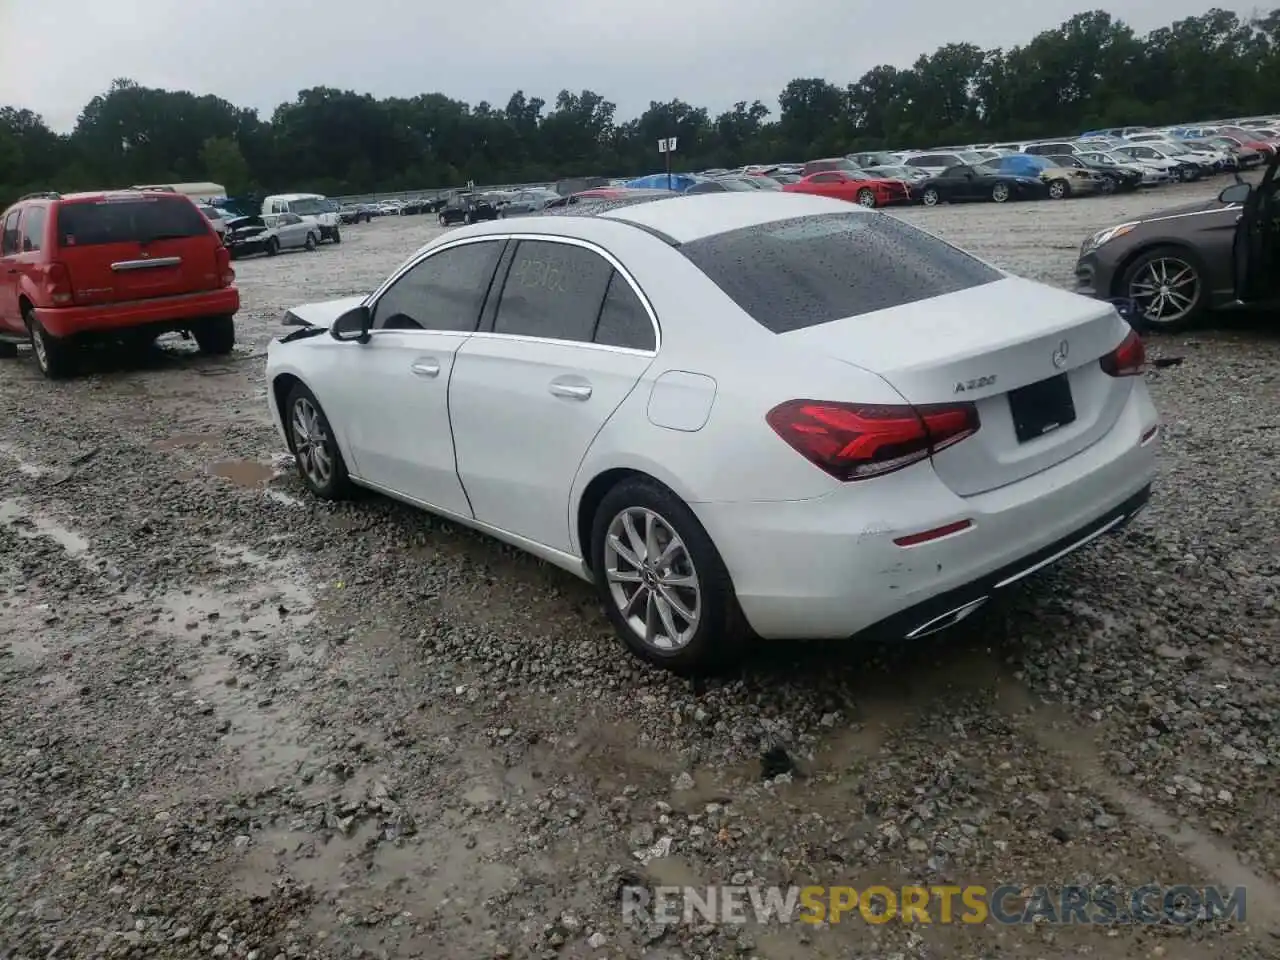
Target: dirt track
<point>240,722</point>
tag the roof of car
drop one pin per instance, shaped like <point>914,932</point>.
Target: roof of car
<point>688,218</point>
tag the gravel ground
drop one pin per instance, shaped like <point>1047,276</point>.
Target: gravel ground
<point>238,722</point>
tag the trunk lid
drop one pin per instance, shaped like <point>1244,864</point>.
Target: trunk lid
<point>133,246</point>
<point>980,345</point>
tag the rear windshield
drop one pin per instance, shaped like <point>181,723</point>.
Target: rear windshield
<point>137,219</point>
<point>797,273</point>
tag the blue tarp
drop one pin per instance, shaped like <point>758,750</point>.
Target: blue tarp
<point>1021,164</point>
<point>658,181</point>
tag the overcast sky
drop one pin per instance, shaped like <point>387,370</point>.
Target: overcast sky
<point>58,54</point>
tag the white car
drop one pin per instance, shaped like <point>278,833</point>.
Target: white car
<point>758,409</point>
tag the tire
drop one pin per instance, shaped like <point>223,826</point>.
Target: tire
<point>930,197</point>
<point>215,336</point>
<point>337,235</point>
<point>273,246</point>
<point>1144,274</point>
<point>54,357</point>
<point>716,620</point>
<point>313,446</point>
<point>1188,173</point>
<point>1059,189</point>
<point>8,350</point>
<point>867,198</point>
<point>468,219</point>
<point>1108,186</point>
<point>443,221</point>
<point>311,243</point>
<point>1001,193</point>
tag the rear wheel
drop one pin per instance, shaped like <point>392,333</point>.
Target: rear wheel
<point>311,241</point>
<point>1167,287</point>
<point>1059,189</point>
<point>664,587</point>
<point>930,197</point>
<point>273,246</point>
<point>316,453</point>
<point>337,235</point>
<point>55,357</point>
<point>443,221</point>
<point>1000,193</point>
<point>867,198</point>
<point>1188,173</point>
<point>215,336</point>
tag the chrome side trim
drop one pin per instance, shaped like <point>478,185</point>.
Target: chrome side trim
<point>122,265</point>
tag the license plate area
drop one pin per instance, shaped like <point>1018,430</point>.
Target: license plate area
<point>1041,407</point>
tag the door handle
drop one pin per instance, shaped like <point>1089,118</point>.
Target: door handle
<point>570,391</point>
<point>425,367</point>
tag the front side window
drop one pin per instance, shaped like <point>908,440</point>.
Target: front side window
<point>443,292</point>
<point>553,290</point>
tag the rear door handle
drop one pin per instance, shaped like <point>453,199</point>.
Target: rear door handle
<point>570,391</point>
<point>425,367</point>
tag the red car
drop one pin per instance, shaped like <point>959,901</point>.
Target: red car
<point>860,188</point>
<point>129,263</point>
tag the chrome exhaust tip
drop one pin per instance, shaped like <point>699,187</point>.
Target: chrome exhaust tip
<point>948,619</point>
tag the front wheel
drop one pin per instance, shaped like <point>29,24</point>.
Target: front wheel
<point>443,222</point>
<point>315,451</point>
<point>216,336</point>
<point>311,241</point>
<point>1188,173</point>
<point>1059,190</point>
<point>1167,287</point>
<point>867,198</point>
<point>273,247</point>
<point>337,235</point>
<point>664,587</point>
<point>1000,193</point>
<point>468,219</point>
<point>930,197</point>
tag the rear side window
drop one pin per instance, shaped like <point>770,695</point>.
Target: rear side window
<point>797,273</point>
<point>623,321</point>
<point>553,290</point>
<point>33,229</point>
<point>136,219</point>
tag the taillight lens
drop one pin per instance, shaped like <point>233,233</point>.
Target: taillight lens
<point>57,284</point>
<point>1127,360</point>
<point>854,441</point>
<point>227,275</point>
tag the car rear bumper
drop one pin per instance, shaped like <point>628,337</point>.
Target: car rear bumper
<point>107,317</point>
<point>829,567</point>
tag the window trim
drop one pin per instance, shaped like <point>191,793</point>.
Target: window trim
<point>17,231</point>
<point>613,261</point>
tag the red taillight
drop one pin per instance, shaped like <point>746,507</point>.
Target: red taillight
<point>226,275</point>
<point>57,284</point>
<point>1127,360</point>
<point>854,441</point>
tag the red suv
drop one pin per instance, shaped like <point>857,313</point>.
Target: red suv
<point>127,264</point>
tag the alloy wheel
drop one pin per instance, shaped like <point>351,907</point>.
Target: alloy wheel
<point>311,443</point>
<point>930,197</point>
<point>1000,192</point>
<point>652,579</point>
<point>866,199</point>
<point>1165,290</point>
<point>1057,190</point>
<point>40,348</point>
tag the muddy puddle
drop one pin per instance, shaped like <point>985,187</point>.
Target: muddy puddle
<point>243,473</point>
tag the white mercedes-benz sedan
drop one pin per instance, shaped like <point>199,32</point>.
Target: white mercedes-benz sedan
<point>761,412</point>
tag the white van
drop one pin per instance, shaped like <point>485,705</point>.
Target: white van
<point>198,192</point>
<point>309,206</point>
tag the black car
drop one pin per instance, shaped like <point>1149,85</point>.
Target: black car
<point>1115,179</point>
<point>355,212</point>
<point>1171,266</point>
<point>723,185</point>
<point>246,236</point>
<point>467,208</point>
<point>977,181</point>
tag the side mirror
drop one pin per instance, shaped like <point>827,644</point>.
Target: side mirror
<point>352,325</point>
<point>1236,193</point>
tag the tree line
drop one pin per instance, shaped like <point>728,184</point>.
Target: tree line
<point>1091,71</point>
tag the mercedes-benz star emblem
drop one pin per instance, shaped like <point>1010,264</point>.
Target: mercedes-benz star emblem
<point>1060,354</point>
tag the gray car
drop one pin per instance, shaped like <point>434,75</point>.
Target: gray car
<point>1171,267</point>
<point>527,201</point>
